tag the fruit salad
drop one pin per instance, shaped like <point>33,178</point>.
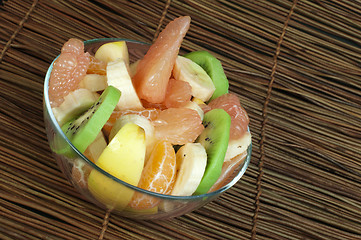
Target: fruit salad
<point>165,123</point>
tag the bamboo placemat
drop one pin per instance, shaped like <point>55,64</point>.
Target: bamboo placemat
<point>296,66</point>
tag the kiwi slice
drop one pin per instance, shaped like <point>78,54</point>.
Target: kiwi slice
<point>59,145</point>
<point>214,138</point>
<point>213,68</point>
<point>83,130</point>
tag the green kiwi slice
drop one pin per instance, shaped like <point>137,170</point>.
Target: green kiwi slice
<point>214,138</point>
<point>83,130</point>
<point>213,68</point>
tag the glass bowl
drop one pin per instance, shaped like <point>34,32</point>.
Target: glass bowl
<point>115,193</point>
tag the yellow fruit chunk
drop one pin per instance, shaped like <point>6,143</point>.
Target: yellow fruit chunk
<point>123,158</point>
<point>149,211</point>
<point>198,101</point>
<point>112,51</point>
<point>94,82</point>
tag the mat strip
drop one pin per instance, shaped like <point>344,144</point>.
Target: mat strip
<point>17,30</point>
<point>264,123</point>
<point>105,225</point>
<point>164,13</point>
<point>310,180</point>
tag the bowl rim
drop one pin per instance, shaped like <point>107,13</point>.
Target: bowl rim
<point>94,166</point>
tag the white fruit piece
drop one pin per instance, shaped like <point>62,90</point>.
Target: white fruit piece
<point>189,71</point>
<point>95,149</point>
<point>133,68</point>
<point>123,158</point>
<point>118,76</point>
<point>238,146</point>
<point>94,82</point>
<point>195,106</point>
<point>142,122</point>
<point>75,103</point>
<point>112,51</point>
<point>191,164</point>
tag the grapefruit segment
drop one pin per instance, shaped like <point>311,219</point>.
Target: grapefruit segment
<point>147,104</point>
<point>239,118</point>
<point>179,93</point>
<point>178,125</point>
<point>74,46</point>
<point>68,70</point>
<point>154,70</point>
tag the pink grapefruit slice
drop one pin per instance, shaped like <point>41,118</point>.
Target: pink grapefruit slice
<point>178,125</point>
<point>179,93</point>
<point>154,70</point>
<point>239,118</point>
<point>68,70</point>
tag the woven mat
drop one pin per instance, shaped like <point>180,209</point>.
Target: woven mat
<point>296,66</point>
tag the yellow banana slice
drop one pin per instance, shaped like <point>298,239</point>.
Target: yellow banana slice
<point>191,164</point>
<point>189,71</point>
<point>238,146</point>
<point>94,82</point>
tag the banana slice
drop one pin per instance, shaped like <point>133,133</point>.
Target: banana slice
<point>191,163</point>
<point>238,146</point>
<point>118,76</point>
<point>94,82</point>
<point>74,104</point>
<point>189,71</point>
<point>141,122</point>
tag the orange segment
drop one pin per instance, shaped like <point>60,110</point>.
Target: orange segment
<point>158,175</point>
<point>178,93</point>
<point>178,125</point>
<point>154,70</point>
<point>96,66</point>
